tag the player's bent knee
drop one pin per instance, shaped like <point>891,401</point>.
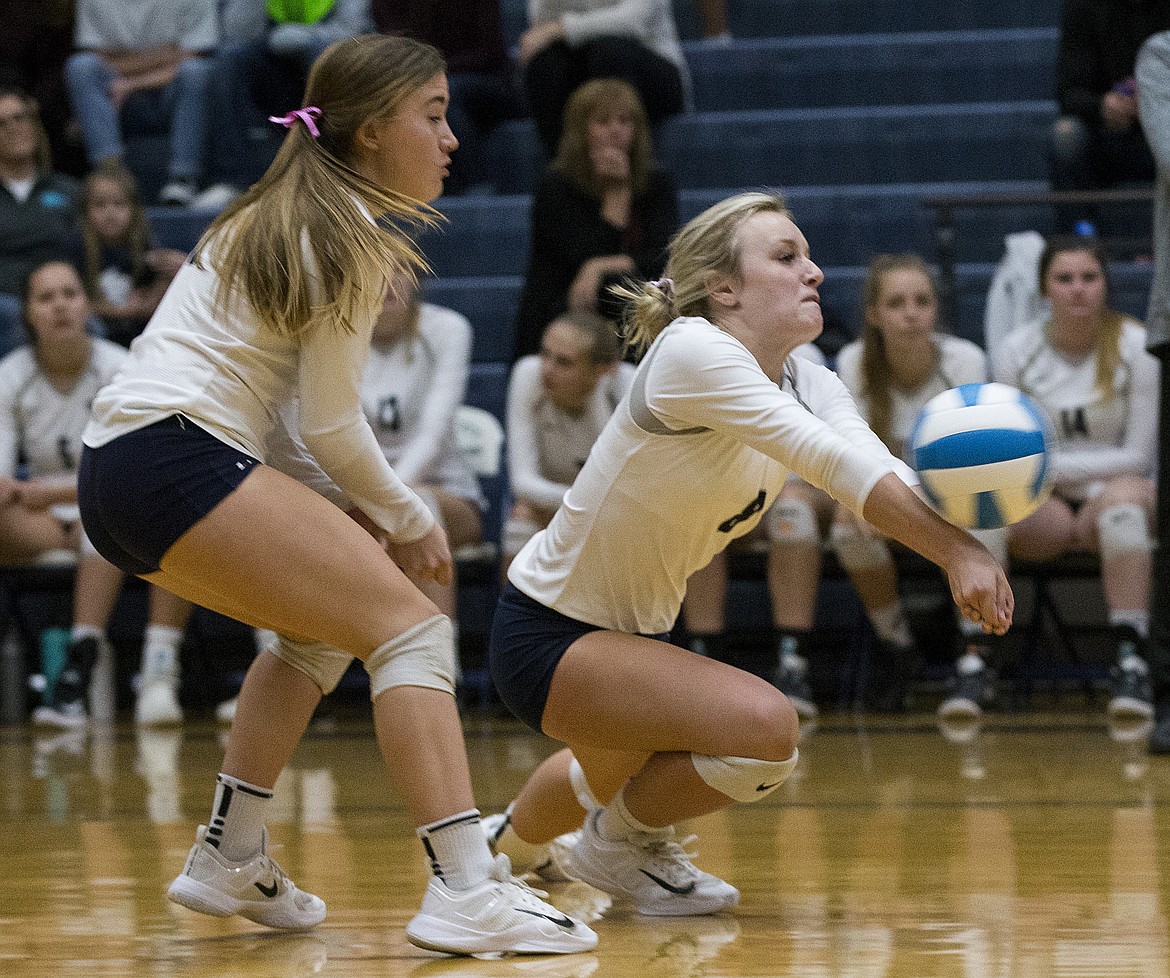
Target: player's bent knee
<point>856,550</point>
<point>792,521</point>
<point>421,656</point>
<point>322,663</point>
<point>744,778</point>
<point>1123,529</point>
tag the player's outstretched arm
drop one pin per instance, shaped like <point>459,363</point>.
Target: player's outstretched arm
<point>978,584</point>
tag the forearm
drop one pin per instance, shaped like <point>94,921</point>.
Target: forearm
<point>898,512</point>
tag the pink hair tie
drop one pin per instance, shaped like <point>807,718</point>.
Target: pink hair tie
<point>306,116</point>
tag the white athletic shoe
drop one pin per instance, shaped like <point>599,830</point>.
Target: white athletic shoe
<point>157,704</point>
<point>654,871</point>
<point>501,915</point>
<point>256,888</point>
<point>548,861</point>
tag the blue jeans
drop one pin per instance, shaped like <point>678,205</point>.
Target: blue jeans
<point>183,101</point>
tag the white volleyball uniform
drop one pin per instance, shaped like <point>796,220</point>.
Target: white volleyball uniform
<point>41,426</point>
<point>959,362</point>
<point>689,461</point>
<point>411,392</point>
<point>547,446</point>
<point>1097,438</point>
<point>234,377</point>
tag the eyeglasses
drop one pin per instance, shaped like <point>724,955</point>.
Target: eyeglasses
<point>20,118</point>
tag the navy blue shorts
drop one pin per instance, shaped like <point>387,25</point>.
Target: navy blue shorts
<point>527,642</point>
<point>142,491</point>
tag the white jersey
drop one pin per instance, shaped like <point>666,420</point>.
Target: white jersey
<point>40,425</point>
<point>690,459</point>
<point>234,377</point>
<point>411,392</point>
<point>959,362</point>
<point>1097,438</point>
<point>547,446</point>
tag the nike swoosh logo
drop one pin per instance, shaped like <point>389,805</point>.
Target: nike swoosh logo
<point>269,891</point>
<point>680,890</point>
<point>769,787</point>
<point>559,921</point>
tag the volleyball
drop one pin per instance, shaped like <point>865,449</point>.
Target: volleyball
<point>981,451</point>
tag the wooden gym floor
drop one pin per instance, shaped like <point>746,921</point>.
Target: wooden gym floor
<point>1037,848</point>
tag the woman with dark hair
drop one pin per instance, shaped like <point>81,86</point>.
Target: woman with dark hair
<point>1086,365</point>
<point>603,214</point>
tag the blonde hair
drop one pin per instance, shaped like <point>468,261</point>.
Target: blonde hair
<point>1109,335</point>
<point>875,362</point>
<point>706,244</point>
<point>312,200</point>
<point>592,99</point>
<point>137,240</point>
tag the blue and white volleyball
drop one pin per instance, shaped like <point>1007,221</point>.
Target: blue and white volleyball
<point>981,451</point>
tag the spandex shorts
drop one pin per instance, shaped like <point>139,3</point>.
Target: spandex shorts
<point>142,491</point>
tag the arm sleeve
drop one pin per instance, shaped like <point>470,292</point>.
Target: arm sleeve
<point>335,432</point>
<point>449,339</point>
<point>721,387</point>
<point>1135,455</point>
<point>629,18</point>
<point>524,476</point>
<point>286,453</point>
<point>1153,81</point>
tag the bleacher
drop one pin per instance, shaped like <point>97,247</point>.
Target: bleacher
<point>859,110</point>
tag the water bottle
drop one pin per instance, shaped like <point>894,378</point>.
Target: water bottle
<point>1086,229</point>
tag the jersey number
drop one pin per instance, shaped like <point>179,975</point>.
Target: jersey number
<point>746,513</point>
<point>388,417</point>
<point>1074,423</point>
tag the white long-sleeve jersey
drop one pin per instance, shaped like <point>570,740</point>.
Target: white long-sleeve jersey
<point>1097,438</point>
<point>959,362</point>
<point>411,392</point>
<point>547,447</point>
<point>41,425</point>
<point>233,377</point>
<point>690,459</point>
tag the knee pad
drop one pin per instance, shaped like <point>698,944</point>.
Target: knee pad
<point>743,778</point>
<point>585,796</point>
<point>996,541</point>
<point>516,533</point>
<point>1123,529</point>
<point>792,521</point>
<point>322,663</point>
<point>421,656</point>
<point>857,551</point>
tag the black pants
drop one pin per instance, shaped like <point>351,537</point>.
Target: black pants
<point>557,71</point>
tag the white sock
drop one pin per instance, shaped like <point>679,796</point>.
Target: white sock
<point>1136,618</point>
<point>236,827</point>
<point>458,850</point>
<point>890,624</point>
<point>264,638</point>
<point>616,824</point>
<point>160,652</point>
<point>78,632</point>
<point>969,663</point>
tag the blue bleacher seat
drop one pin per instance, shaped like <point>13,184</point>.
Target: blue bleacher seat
<point>490,302</point>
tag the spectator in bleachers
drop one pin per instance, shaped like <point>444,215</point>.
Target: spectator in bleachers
<point>125,275</point>
<point>36,40</point>
<point>569,42</point>
<point>1087,367</point>
<point>604,212</point>
<point>259,69</point>
<point>1153,74</point>
<point>155,46</point>
<point>413,384</point>
<point>46,389</point>
<point>1097,142</point>
<point>36,207</point>
<point>558,402</point>
<point>480,73</point>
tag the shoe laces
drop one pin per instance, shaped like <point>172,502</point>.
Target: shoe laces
<point>502,873</point>
<point>675,855</point>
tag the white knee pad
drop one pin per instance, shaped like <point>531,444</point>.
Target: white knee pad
<point>792,521</point>
<point>1123,529</point>
<point>996,541</point>
<point>585,796</point>
<point>516,533</point>
<point>856,550</point>
<point>322,663</point>
<point>421,656</point>
<point>743,778</point>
